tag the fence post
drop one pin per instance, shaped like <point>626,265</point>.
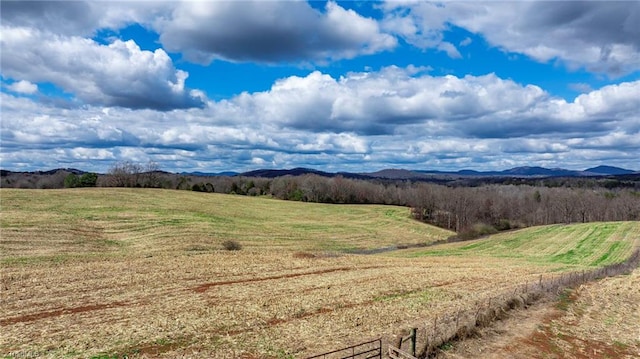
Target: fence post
<point>413,340</point>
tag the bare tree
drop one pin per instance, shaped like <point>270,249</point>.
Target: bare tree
<point>124,174</point>
<point>151,176</point>
<point>314,188</point>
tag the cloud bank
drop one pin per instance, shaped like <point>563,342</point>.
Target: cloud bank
<point>390,117</point>
<point>601,36</point>
<point>78,92</point>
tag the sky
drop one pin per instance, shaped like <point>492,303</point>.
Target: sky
<point>354,86</point>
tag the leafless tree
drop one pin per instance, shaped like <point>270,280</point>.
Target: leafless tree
<point>124,174</point>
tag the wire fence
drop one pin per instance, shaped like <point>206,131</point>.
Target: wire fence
<point>465,322</point>
<point>458,325</point>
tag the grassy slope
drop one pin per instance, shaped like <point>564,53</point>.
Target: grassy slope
<point>59,223</point>
<point>588,244</point>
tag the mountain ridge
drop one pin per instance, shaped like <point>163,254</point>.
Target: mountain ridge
<point>398,173</point>
<point>405,174</point>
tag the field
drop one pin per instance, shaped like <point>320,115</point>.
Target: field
<point>113,272</point>
<point>576,245</point>
<point>597,320</point>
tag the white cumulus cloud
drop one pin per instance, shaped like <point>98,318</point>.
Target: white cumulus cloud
<point>394,117</point>
<point>117,74</point>
<point>600,36</point>
<point>24,87</point>
<point>269,31</point>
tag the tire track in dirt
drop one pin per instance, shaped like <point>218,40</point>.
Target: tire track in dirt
<point>204,287</point>
<point>277,321</point>
<point>320,311</point>
<point>199,289</point>
<point>59,312</point>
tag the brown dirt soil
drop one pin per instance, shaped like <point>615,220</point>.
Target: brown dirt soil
<point>59,312</point>
<point>497,340</point>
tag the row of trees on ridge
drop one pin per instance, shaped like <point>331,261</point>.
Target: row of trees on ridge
<point>476,210</point>
<point>462,209</point>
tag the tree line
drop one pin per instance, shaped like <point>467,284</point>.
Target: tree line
<point>461,209</point>
<point>466,210</point>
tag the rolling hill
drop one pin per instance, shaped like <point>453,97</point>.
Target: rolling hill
<point>108,272</point>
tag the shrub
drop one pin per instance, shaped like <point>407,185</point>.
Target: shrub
<point>304,255</point>
<point>198,187</point>
<point>484,229</point>
<point>296,195</point>
<point>478,230</point>
<point>231,245</point>
<point>88,180</point>
<point>71,181</point>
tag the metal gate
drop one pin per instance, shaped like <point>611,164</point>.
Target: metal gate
<point>367,350</point>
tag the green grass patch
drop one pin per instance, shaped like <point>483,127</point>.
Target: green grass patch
<point>471,246</point>
<point>590,243</point>
<point>392,296</point>
<point>620,345</point>
<point>612,251</point>
<point>571,246</point>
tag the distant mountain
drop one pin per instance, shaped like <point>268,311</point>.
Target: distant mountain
<point>417,175</point>
<point>49,172</point>
<point>609,170</point>
<point>524,171</point>
<point>513,172</point>
<point>70,170</point>
<point>210,174</point>
<point>271,173</point>
<point>540,171</point>
<point>472,173</point>
<point>396,174</point>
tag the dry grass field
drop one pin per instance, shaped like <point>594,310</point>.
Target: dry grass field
<point>601,320</point>
<point>597,320</point>
<point>113,272</point>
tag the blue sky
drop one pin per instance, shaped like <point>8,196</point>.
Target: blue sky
<point>338,86</point>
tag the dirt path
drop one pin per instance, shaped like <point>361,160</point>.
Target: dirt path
<point>595,321</point>
<point>504,338</point>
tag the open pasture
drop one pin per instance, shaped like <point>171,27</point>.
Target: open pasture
<point>142,272</point>
<point>575,245</point>
<point>59,224</point>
